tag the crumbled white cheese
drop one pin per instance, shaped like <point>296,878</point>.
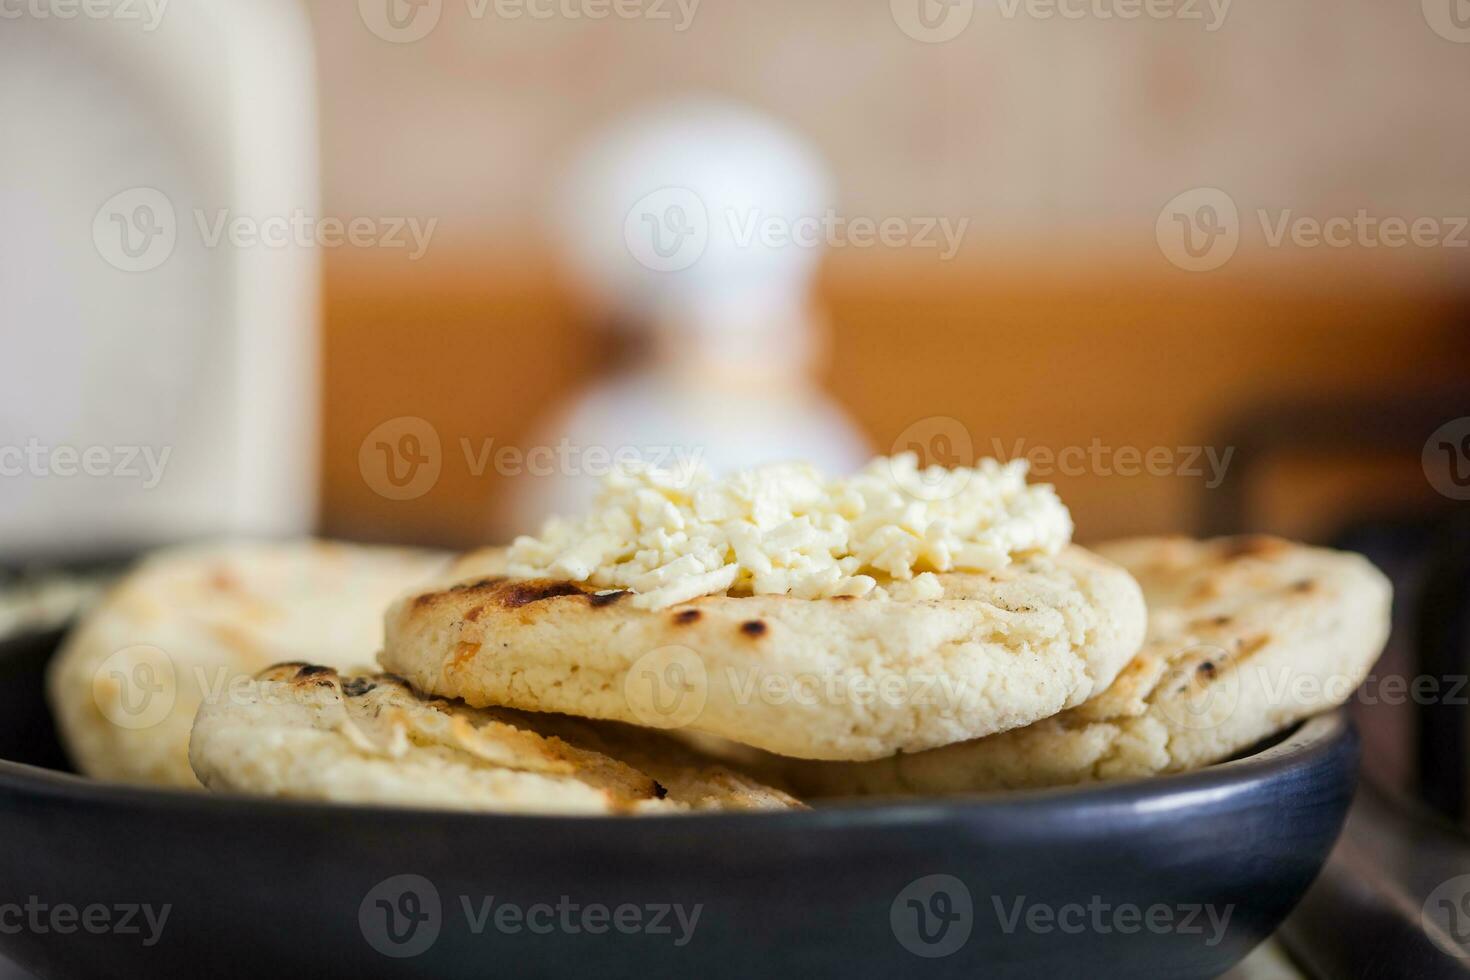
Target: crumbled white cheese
<point>672,536</point>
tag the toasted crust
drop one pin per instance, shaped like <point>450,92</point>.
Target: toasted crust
<point>306,732</point>
<point>1246,636</point>
<point>190,621</point>
<point>823,679</point>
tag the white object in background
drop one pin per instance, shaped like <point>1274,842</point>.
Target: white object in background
<point>660,220</point>
<point>156,382</point>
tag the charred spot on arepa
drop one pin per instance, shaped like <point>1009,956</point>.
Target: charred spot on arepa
<point>513,595</point>
<point>425,599</point>
<point>687,617</point>
<point>356,687</point>
<point>754,628</point>
<point>507,593</point>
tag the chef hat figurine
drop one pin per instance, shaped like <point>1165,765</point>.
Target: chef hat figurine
<point>697,226</point>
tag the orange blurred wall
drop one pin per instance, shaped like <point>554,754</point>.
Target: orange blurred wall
<point>1028,355</point>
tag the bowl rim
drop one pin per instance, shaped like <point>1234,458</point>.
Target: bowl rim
<point>1315,742</point>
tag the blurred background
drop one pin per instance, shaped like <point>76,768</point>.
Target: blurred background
<point>419,270</point>
<point>1059,320</point>
<point>1033,158</point>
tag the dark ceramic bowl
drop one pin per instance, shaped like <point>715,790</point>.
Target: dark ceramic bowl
<point>1171,877</point>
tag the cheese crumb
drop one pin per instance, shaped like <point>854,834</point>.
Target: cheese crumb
<point>671,536</point>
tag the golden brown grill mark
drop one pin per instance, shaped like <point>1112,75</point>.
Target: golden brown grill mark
<point>517,594</point>
<point>224,580</point>
<point>463,653</point>
<point>1252,546</point>
<point>484,585</point>
<point>1207,588</point>
<point>1247,646</point>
